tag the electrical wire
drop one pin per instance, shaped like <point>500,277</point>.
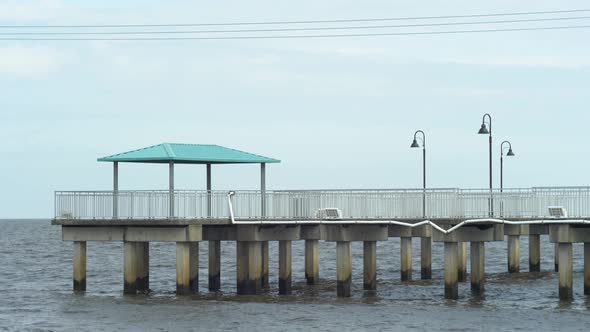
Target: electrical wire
<point>297,29</point>
<point>298,22</point>
<point>302,36</point>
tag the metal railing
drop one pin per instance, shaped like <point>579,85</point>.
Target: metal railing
<point>303,204</point>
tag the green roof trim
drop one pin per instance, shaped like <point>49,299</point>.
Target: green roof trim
<point>188,154</point>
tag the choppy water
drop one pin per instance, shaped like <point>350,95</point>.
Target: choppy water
<point>36,273</point>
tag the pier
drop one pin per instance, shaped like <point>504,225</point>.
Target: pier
<point>457,219</point>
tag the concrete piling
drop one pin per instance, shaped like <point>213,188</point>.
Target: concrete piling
<point>534,253</point>
<point>249,267</point>
<point>406,258</point>
<point>587,268</point>
<point>343,268</point>
<point>143,266</point>
<point>451,270</point>
<point>462,261</point>
<point>214,265</point>
<point>312,264</point>
<point>183,268</point>
<point>477,256</point>
<point>130,265</point>
<point>556,260</point>
<point>565,271</point>
<point>194,266</point>
<point>426,258</point>
<point>284,267</point>
<point>370,265</point>
<point>513,253</point>
<point>264,255</point>
<point>80,266</point>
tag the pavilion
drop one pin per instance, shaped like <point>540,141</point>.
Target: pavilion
<point>175,153</point>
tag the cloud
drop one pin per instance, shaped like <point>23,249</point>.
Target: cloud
<point>18,10</point>
<point>526,61</point>
<point>30,61</point>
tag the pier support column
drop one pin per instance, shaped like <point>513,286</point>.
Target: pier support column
<point>534,253</point>
<point>451,271</point>
<point>284,267</point>
<point>343,268</point>
<point>426,258</point>
<point>477,255</point>
<point>312,262</point>
<point>264,255</point>
<point>184,267</point>
<point>143,266</point>
<point>587,268</point>
<point>565,271</point>
<point>370,265</point>
<point>513,253</point>
<point>462,261</point>
<point>194,267</point>
<point>556,259</point>
<point>406,258</point>
<point>80,266</point>
<point>214,265</point>
<point>249,267</point>
<point>130,264</point>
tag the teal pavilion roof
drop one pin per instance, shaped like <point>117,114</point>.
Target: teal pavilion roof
<point>188,154</point>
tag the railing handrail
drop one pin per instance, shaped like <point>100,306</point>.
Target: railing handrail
<point>495,190</point>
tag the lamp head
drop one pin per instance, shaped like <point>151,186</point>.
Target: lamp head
<point>483,129</point>
<point>510,153</point>
<point>415,144</point>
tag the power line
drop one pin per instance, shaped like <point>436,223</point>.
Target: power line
<point>303,36</point>
<point>299,22</point>
<point>297,29</point>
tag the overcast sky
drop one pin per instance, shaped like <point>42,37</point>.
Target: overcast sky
<point>339,113</point>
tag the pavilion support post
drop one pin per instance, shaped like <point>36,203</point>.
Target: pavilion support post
<point>587,268</point>
<point>214,265</point>
<point>343,268</point>
<point>263,189</point>
<point>130,262</point>
<point>370,265</point>
<point>312,262</point>
<point>264,256</point>
<point>406,258</point>
<point>477,255</point>
<point>462,261</point>
<point>80,266</point>
<point>534,253</point>
<point>209,206</point>
<point>143,266</point>
<point>451,270</point>
<point>284,267</point>
<point>426,258</point>
<point>115,189</point>
<point>565,271</point>
<point>513,253</point>
<point>171,188</point>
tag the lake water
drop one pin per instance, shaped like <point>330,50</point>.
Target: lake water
<point>36,291</point>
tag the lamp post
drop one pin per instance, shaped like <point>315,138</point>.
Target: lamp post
<point>416,145</point>
<point>509,154</point>
<point>484,130</point>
